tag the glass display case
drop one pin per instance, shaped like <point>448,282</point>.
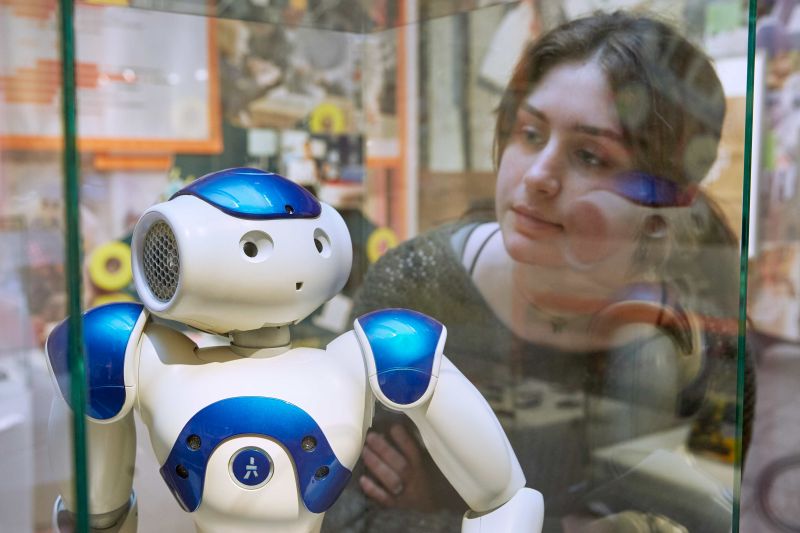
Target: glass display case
<point>576,213</point>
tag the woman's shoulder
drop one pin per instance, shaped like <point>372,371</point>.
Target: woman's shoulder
<point>424,272</point>
<point>442,245</point>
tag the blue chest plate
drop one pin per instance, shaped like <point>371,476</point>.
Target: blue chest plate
<point>321,477</point>
<point>404,347</point>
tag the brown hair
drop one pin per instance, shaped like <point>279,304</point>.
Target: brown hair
<point>669,99</point>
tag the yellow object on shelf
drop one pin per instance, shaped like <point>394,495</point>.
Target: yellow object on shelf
<point>328,118</point>
<point>379,242</point>
<point>110,266</point>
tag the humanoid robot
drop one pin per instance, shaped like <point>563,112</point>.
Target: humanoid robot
<point>257,435</point>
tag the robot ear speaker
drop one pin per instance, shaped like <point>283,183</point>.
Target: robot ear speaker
<point>161,261</point>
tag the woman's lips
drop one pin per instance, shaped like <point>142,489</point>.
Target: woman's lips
<point>532,224</point>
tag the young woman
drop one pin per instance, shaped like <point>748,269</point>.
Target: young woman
<point>600,304</point>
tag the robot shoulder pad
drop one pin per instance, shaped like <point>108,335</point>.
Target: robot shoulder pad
<point>402,350</point>
<point>111,336</point>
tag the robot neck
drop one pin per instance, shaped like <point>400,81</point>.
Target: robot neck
<point>264,342</point>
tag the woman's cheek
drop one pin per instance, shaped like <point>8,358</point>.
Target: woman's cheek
<point>510,172</point>
<point>598,226</point>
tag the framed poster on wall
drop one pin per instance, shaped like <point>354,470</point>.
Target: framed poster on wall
<point>146,81</point>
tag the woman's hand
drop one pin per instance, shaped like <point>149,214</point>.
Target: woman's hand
<point>396,473</point>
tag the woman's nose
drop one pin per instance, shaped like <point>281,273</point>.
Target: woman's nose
<point>543,174</point>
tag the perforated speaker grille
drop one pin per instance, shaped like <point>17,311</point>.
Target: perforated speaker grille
<point>161,261</point>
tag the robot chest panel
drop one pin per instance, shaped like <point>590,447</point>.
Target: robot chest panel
<point>258,429</point>
<point>257,449</point>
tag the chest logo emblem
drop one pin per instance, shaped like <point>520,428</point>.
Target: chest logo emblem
<point>251,468</point>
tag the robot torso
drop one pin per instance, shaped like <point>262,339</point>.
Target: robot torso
<point>269,439</point>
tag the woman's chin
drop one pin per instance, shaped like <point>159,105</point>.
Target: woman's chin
<point>524,249</point>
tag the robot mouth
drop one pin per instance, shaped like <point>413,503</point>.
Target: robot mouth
<point>298,285</point>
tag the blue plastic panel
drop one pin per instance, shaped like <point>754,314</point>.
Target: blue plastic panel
<point>253,193</point>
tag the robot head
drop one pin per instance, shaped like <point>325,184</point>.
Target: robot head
<point>239,250</point>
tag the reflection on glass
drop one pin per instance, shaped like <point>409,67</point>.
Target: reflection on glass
<point>594,301</point>
<point>578,223</point>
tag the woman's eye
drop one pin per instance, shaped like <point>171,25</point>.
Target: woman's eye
<point>530,135</point>
<point>590,159</point>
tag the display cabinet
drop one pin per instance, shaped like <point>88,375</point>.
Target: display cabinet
<point>615,364</point>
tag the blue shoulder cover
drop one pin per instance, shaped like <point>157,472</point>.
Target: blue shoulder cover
<point>106,332</point>
<point>403,346</point>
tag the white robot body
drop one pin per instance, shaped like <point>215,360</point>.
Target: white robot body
<point>328,385</point>
<point>257,435</point>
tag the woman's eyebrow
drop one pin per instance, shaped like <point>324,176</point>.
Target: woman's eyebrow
<point>600,132</point>
<point>582,128</point>
<point>528,108</point>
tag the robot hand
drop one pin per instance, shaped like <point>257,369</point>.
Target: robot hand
<point>122,520</point>
<point>522,513</point>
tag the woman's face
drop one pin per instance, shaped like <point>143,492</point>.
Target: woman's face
<point>555,197</point>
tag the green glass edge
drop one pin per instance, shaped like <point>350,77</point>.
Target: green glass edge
<point>743,263</point>
<point>73,264</point>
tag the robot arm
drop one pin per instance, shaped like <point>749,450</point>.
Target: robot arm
<point>408,373</point>
<point>470,447</point>
<point>110,459</point>
<point>111,336</point>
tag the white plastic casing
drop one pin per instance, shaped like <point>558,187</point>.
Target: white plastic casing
<point>524,513</point>
<point>466,441</point>
<point>110,463</point>
<point>221,289</point>
<point>177,380</point>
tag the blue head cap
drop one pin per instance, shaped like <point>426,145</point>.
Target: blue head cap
<point>253,193</point>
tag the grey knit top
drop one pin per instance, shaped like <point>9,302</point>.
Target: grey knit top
<point>548,399</point>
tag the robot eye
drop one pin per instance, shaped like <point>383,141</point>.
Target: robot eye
<point>250,249</point>
<point>256,246</point>
<point>322,243</point>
